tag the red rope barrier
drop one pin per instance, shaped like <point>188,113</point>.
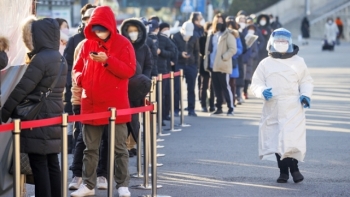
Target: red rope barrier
<point>58,120</point>
<point>7,127</point>
<point>166,76</point>
<point>177,74</point>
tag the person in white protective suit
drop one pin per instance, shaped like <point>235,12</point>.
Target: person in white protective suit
<point>284,82</point>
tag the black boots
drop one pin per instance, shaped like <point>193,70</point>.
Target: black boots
<point>294,170</point>
<point>288,164</point>
<point>283,166</point>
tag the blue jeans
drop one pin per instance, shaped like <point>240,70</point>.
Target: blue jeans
<point>190,73</point>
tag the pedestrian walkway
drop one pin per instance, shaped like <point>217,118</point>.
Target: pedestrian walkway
<point>218,156</point>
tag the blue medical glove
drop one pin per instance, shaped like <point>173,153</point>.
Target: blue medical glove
<point>305,101</point>
<point>267,93</point>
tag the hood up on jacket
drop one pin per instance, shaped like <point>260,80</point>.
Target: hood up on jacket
<point>102,15</point>
<point>41,34</point>
<point>267,17</point>
<point>142,37</point>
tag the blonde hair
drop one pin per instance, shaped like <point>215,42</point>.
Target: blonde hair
<point>4,44</point>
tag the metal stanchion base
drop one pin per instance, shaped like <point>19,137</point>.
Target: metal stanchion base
<point>164,134</point>
<point>174,130</point>
<point>183,125</point>
<point>139,175</point>
<point>158,165</point>
<point>143,187</point>
<point>160,155</point>
<point>160,140</point>
<point>154,196</point>
<point>159,146</point>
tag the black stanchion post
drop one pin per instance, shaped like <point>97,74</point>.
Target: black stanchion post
<point>17,158</point>
<point>111,144</point>
<point>64,155</point>
<point>182,117</point>
<point>160,103</point>
<point>172,102</point>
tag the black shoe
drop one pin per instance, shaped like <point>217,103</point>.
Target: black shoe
<point>283,178</point>
<point>212,109</point>
<point>218,112</point>
<point>204,109</point>
<point>134,151</point>
<point>297,177</point>
<point>192,114</point>
<point>131,154</point>
<point>230,113</point>
<point>186,109</point>
<point>176,114</point>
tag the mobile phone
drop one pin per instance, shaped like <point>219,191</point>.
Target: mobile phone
<point>93,53</point>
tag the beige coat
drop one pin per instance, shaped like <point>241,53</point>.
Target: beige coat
<point>227,47</point>
<point>76,90</point>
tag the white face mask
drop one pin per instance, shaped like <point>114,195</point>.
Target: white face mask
<point>242,25</point>
<point>281,47</point>
<point>202,23</point>
<point>133,36</point>
<point>147,29</point>
<point>251,32</point>
<point>167,33</point>
<point>330,22</point>
<point>262,22</point>
<point>65,31</point>
<point>102,35</point>
<point>186,38</point>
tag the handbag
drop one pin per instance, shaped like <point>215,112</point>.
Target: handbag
<point>25,165</point>
<point>30,107</point>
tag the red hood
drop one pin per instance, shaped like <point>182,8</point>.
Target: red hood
<point>102,15</point>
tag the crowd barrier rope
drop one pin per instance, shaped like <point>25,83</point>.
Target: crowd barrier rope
<point>151,110</point>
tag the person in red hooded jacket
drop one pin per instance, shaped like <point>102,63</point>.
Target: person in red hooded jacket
<point>104,65</point>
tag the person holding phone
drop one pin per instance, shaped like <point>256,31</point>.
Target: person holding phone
<point>188,47</point>
<point>104,65</point>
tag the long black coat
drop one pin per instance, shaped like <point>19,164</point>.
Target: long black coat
<point>191,47</point>
<point>39,76</point>
<point>153,44</point>
<point>142,51</point>
<point>305,28</point>
<point>167,52</point>
<point>68,54</point>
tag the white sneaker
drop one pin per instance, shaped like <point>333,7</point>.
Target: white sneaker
<point>102,183</point>
<point>75,184</point>
<point>83,191</point>
<point>123,192</point>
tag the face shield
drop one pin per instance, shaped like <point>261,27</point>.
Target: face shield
<point>280,41</point>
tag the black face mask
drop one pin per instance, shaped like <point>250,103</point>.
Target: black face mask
<point>220,27</point>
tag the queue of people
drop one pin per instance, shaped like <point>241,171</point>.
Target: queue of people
<point>104,67</point>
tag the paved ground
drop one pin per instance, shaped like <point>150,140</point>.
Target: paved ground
<point>218,156</point>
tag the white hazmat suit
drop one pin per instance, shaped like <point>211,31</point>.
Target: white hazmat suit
<point>282,126</point>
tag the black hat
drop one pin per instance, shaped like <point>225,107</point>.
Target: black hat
<point>153,24</point>
<point>98,28</point>
<point>163,25</point>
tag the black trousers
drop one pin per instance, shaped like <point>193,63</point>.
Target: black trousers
<point>77,164</point>
<point>203,89</point>
<point>47,175</point>
<point>222,89</point>
<point>166,98</point>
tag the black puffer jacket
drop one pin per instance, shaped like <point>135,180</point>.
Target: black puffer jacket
<point>68,54</point>
<point>152,46</point>
<point>142,51</point>
<point>191,47</point>
<point>3,60</point>
<point>44,66</point>
<point>167,52</point>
